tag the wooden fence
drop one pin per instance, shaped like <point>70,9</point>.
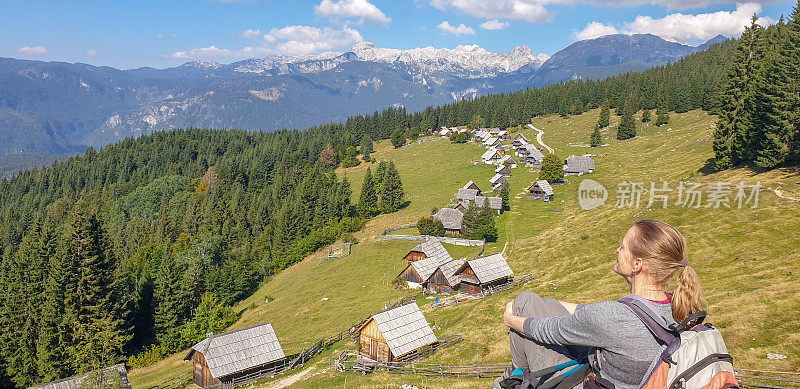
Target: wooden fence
<point>442,239</point>
<point>177,382</point>
<point>462,297</point>
<point>350,360</point>
<point>339,252</point>
<point>749,378</point>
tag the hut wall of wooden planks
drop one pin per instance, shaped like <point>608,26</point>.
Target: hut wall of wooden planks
<point>373,344</point>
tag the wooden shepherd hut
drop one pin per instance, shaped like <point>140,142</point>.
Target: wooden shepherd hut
<point>394,334</point>
<point>444,279</point>
<point>472,185</point>
<point>451,220</point>
<point>540,190</point>
<point>428,248</point>
<point>482,273</point>
<point>220,358</point>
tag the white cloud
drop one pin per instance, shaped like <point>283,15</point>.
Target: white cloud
<point>159,37</point>
<point>528,10</point>
<point>700,26</point>
<point>289,40</point>
<point>205,52</point>
<point>535,11</point>
<point>251,34</point>
<point>682,27</point>
<point>461,29</point>
<point>174,36</point>
<point>594,30</point>
<point>494,24</point>
<point>91,53</point>
<point>35,50</point>
<point>294,40</point>
<point>360,10</point>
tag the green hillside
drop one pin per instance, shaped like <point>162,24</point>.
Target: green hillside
<point>745,257</point>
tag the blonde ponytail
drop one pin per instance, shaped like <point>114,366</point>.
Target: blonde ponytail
<point>688,296</point>
<point>664,250</point>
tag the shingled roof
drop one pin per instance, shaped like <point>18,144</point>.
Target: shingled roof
<point>431,248</point>
<point>449,270</point>
<point>427,266</point>
<point>110,374</point>
<point>495,203</point>
<point>579,164</point>
<point>489,268</point>
<point>544,186</point>
<point>489,154</point>
<point>450,218</point>
<point>404,328</point>
<point>498,179</point>
<point>466,194</point>
<point>235,351</point>
<point>472,185</point>
<point>533,152</point>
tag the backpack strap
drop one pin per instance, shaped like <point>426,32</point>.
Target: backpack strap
<point>658,326</point>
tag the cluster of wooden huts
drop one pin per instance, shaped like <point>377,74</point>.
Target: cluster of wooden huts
<point>573,165</point>
<point>451,218</point>
<point>431,267</point>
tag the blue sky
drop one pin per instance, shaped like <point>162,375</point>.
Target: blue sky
<point>128,34</point>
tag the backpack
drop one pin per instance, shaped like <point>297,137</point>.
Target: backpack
<point>694,355</point>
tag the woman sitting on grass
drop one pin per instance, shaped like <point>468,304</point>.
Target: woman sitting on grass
<point>546,332</point>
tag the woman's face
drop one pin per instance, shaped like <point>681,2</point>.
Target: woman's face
<point>623,266</point>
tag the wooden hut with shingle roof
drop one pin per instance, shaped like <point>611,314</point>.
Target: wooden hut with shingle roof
<point>519,140</point>
<point>502,170</point>
<point>103,378</point>
<point>444,279</point>
<point>220,358</point>
<point>451,220</point>
<point>578,164</point>
<point>428,248</point>
<point>540,190</point>
<point>389,335</point>
<point>498,181</point>
<point>482,273</point>
<point>472,185</point>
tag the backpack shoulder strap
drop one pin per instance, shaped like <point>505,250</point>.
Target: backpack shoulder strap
<point>654,322</point>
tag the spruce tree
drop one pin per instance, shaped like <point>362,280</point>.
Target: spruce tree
<point>604,121</point>
<point>100,321</point>
<point>486,228</point>
<point>627,124</point>
<point>392,196</point>
<point>398,138</point>
<point>645,116</point>
<point>368,201</point>
<point>366,148</point>
<point>55,335</point>
<point>734,123</point>
<point>505,196</point>
<point>596,139</point>
<point>771,133</point>
<point>790,60</point>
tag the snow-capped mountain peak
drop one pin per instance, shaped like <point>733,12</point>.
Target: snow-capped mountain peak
<point>473,59</point>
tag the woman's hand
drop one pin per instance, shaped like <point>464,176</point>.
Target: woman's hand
<point>513,321</point>
<point>509,309</point>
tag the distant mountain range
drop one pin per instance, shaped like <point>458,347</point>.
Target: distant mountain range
<point>57,107</point>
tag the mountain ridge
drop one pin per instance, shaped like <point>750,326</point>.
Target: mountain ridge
<point>60,107</point>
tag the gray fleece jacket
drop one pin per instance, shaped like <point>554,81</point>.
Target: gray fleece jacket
<point>627,348</point>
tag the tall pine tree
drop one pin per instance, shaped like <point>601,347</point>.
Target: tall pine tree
<point>392,196</point>
<point>368,201</point>
<point>627,124</point>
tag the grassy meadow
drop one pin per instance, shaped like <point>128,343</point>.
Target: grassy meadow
<point>747,258</point>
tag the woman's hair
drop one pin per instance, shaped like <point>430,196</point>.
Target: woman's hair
<point>663,249</point>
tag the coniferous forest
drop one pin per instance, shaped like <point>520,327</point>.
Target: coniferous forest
<point>141,248</point>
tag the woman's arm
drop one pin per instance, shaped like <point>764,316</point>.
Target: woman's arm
<point>513,321</point>
<point>569,306</point>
